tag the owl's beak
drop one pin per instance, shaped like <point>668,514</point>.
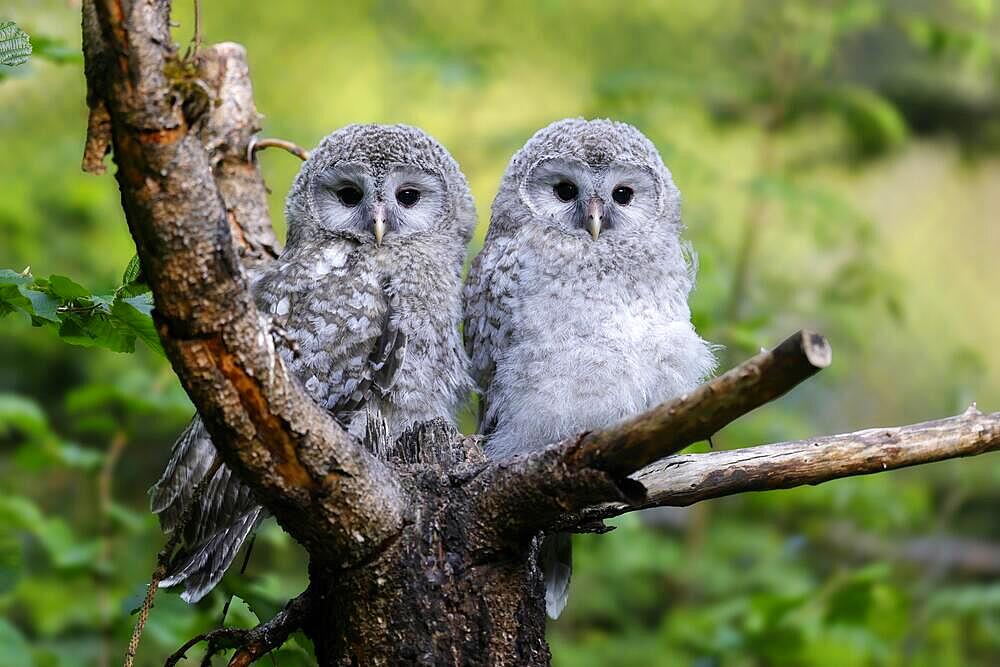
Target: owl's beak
<point>378,223</point>
<point>595,216</point>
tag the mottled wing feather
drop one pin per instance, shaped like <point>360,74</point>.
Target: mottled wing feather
<point>203,566</point>
<point>378,372</point>
<point>190,459</point>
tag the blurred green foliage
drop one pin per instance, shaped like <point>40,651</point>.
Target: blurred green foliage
<point>839,167</point>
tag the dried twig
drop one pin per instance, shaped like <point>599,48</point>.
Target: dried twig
<point>686,479</point>
<point>260,144</point>
<point>253,643</point>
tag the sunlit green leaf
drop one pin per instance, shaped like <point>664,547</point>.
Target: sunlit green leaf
<point>132,271</point>
<point>43,305</point>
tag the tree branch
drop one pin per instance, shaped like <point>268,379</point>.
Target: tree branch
<point>292,148</point>
<point>253,643</point>
<point>668,428</point>
<point>227,131</point>
<point>324,488</point>
<point>531,492</point>
<point>690,478</point>
<point>687,479</point>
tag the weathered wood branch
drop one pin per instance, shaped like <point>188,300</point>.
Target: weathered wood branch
<point>543,488</point>
<point>687,479</point>
<point>227,129</point>
<point>324,488</point>
<point>690,478</point>
<point>698,415</point>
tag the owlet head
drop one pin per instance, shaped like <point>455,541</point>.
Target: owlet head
<point>379,184</point>
<point>592,179</point>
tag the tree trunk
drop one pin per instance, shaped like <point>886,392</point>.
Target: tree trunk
<point>437,594</point>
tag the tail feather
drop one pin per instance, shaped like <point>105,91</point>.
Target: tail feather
<point>226,515</point>
<point>202,569</point>
<point>557,568</point>
<point>190,461</point>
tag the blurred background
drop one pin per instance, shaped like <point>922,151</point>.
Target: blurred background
<point>839,166</point>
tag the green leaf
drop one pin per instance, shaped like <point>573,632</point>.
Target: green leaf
<point>8,277</point>
<point>110,335</point>
<point>97,331</point>
<point>132,271</point>
<point>73,333</point>
<point>43,305</point>
<point>67,289</point>
<point>134,314</point>
<point>15,45</point>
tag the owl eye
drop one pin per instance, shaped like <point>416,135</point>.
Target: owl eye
<point>408,196</point>
<point>565,190</point>
<point>622,195</point>
<point>349,196</point>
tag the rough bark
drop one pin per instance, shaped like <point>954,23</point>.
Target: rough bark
<point>227,131</point>
<point>441,593</point>
<point>429,557</point>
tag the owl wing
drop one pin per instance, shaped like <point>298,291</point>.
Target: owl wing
<point>345,343</point>
<point>487,315</point>
<point>340,336</point>
<point>225,517</point>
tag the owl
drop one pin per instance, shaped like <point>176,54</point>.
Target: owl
<point>576,312</point>
<point>366,297</point>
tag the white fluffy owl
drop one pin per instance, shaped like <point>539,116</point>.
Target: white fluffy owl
<point>576,312</point>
